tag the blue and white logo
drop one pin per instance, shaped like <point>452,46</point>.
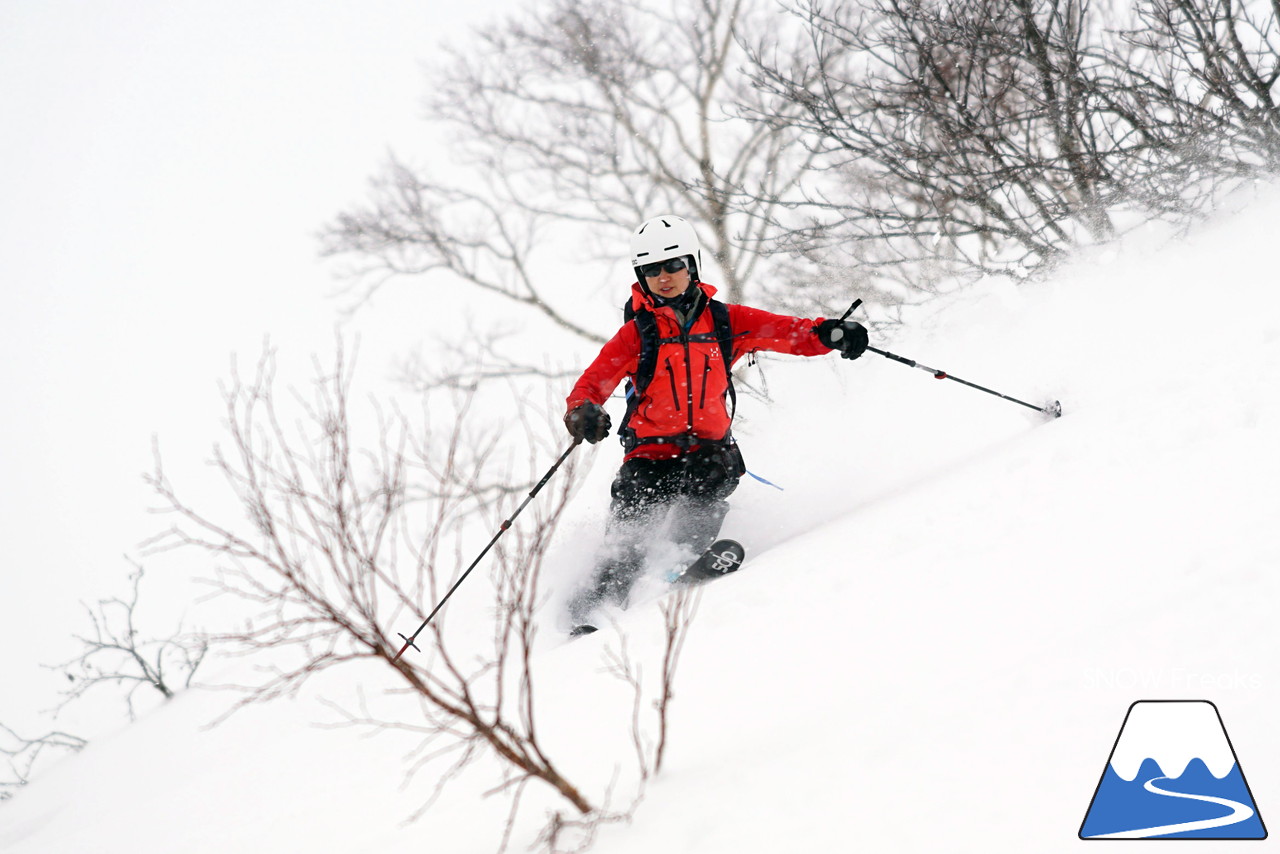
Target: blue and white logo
<point>1173,774</point>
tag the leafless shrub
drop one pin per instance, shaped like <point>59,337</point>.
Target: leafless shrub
<point>115,653</point>
<point>22,754</point>
<point>569,834</point>
<point>677,616</point>
<point>678,610</point>
<point>345,536</point>
<point>332,556</point>
<point>574,834</point>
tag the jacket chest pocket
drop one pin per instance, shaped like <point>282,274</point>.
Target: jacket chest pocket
<point>675,385</point>
<point>706,375</point>
<point>691,376</point>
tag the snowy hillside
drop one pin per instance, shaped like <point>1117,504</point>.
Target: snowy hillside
<point>942,622</point>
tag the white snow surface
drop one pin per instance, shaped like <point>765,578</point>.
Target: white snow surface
<point>940,626</point>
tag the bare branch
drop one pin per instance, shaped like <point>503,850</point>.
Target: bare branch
<point>23,754</point>
<point>334,551</point>
<point>678,610</point>
<point>114,653</point>
<point>581,120</point>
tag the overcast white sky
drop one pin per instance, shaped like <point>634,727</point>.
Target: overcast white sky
<point>163,170</point>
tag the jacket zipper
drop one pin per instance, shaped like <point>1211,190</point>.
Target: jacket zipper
<point>688,376</point>
<point>675,394</point>
<point>706,369</point>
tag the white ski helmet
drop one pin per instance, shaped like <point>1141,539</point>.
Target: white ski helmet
<point>661,238</point>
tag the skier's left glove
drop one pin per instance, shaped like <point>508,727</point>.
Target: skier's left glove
<point>587,421</point>
<point>847,336</point>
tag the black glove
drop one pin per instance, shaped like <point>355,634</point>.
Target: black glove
<point>847,336</point>
<point>587,421</point>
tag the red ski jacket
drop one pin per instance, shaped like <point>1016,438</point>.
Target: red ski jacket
<point>687,394</point>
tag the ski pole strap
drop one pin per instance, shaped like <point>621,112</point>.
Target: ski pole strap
<point>852,308</point>
<point>765,482</point>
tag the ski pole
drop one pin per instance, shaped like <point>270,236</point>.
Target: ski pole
<point>1054,408</point>
<point>409,641</point>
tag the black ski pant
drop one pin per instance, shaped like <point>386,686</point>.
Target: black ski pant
<point>687,492</point>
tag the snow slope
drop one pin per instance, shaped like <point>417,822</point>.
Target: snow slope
<point>942,623</point>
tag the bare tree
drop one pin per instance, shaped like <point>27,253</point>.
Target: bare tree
<point>581,120</point>
<point>969,136</point>
<point>115,653</point>
<point>1206,92</point>
<point>347,535</point>
<point>332,559</point>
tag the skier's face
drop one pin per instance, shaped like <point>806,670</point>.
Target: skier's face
<point>668,285</point>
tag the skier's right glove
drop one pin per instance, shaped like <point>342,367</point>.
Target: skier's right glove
<point>847,336</point>
<point>587,421</point>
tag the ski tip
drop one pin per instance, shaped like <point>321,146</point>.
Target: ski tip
<point>579,631</point>
<point>721,545</point>
<point>721,558</point>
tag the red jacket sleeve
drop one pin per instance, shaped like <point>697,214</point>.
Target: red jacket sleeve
<point>618,358</point>
<point>755,329</point>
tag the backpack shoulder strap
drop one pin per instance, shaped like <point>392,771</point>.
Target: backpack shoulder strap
<point>647,326</point>
<point>724,334</point>
<point>646,367</point>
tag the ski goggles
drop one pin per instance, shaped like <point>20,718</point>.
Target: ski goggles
<point>671,265</point>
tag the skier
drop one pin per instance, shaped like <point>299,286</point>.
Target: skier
<point>676,349</point>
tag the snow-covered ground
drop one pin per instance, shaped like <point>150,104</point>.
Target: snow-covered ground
<point>943,619</point>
